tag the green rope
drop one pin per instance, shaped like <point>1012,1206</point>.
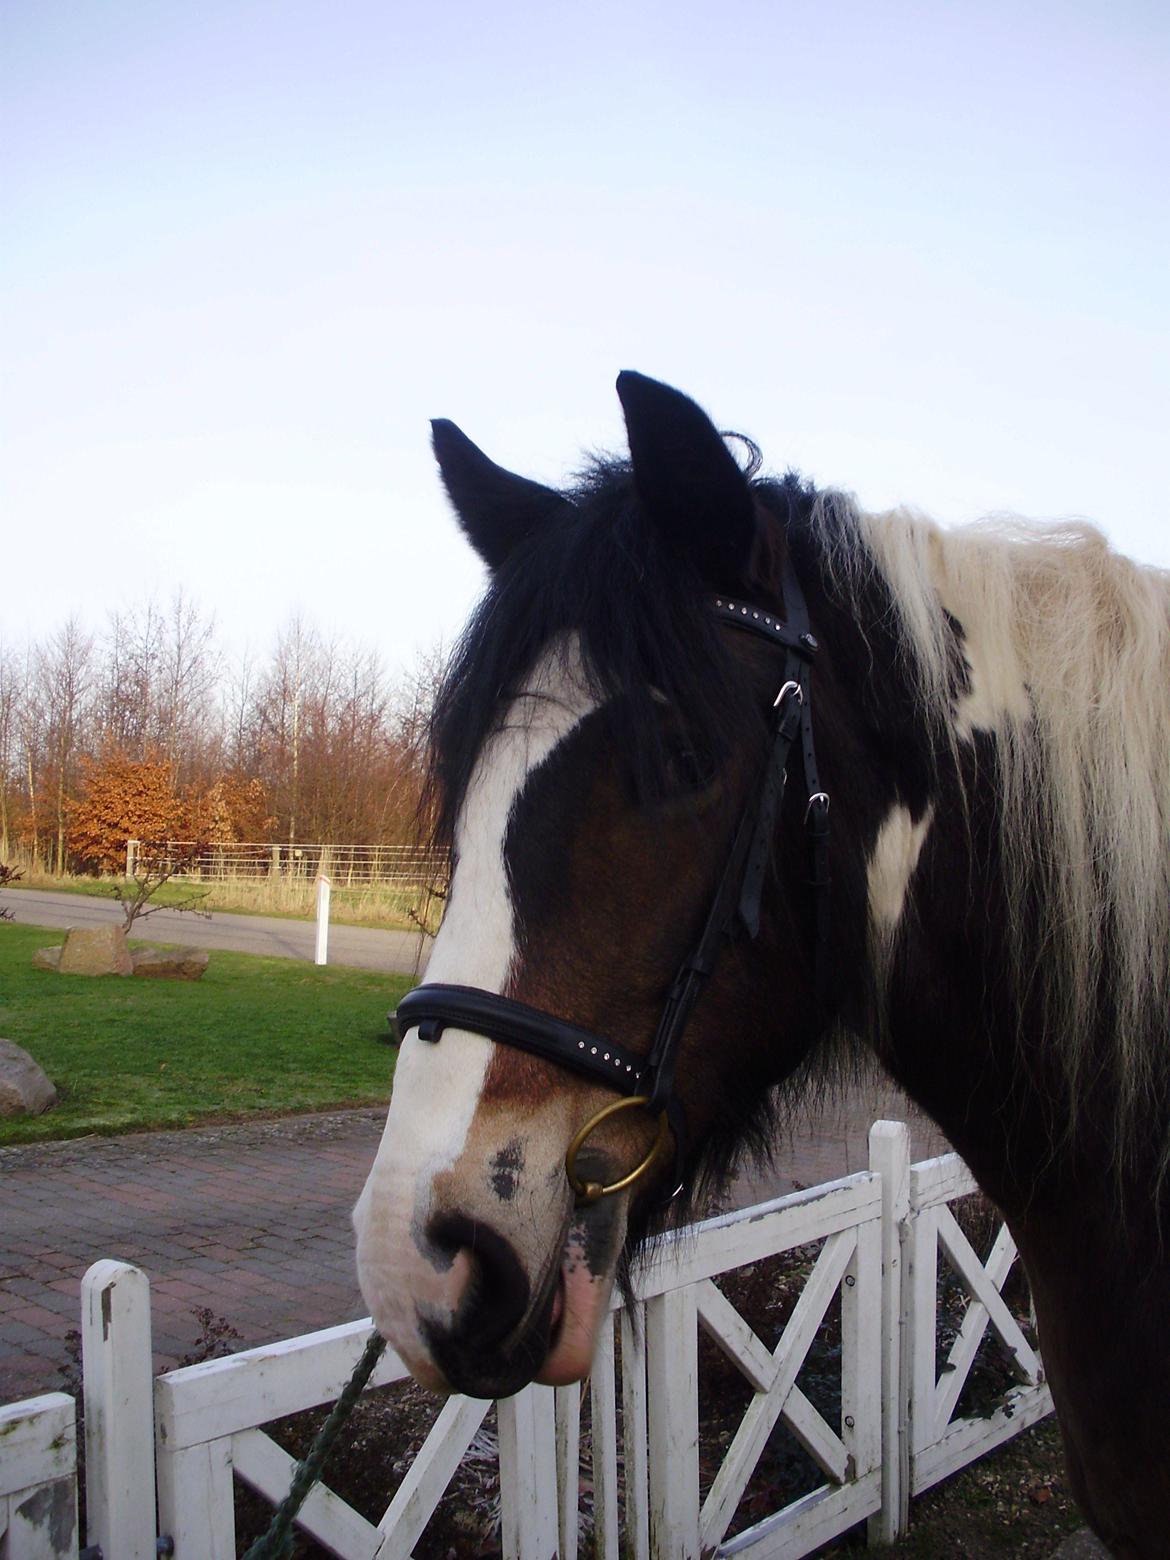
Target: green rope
<point>277,1542</point>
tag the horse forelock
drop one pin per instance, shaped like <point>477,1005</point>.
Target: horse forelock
<point>637,613</point>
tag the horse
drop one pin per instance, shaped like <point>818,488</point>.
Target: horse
<point>739,782</point>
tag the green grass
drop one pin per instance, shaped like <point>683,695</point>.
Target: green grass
<point>253,1037</point>
<point>389,907</point>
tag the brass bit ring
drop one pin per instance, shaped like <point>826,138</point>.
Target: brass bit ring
<point>593,1191</point>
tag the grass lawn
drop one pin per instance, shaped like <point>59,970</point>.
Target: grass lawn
<point>254,1036</point>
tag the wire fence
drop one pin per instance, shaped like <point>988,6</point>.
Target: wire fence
<point>347,866</point>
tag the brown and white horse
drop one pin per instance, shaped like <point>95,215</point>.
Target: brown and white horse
<point>992,720</point>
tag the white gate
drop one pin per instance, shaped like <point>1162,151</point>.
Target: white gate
<point>208,1416</point>
<point>894,1432</point>
<point>938,1443</point>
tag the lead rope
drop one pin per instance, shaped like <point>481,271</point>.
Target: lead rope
<point>276,1543</point>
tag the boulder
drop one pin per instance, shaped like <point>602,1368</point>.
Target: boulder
<point>47,959</point>
<point>24,1088</point>
<point>95,950</point>
<point>170,963</point>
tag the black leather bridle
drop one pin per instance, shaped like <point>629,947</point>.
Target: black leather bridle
<point>647,1082</point>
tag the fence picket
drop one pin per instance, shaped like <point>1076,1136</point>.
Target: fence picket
<point>603,1431</point>
<point>528,1475</point>
<point>920,1298</point>
<point>635,1436</point>
<point>568,1413</point>
<point>195,1506</point>
<point>889,1157</point>
<point>672,1395</point>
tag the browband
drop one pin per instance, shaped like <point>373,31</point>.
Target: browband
<point>431,1009</point>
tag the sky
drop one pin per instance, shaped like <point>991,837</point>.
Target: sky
<point>916,251</point>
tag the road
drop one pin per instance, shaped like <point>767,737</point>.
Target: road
<point>363,947</point>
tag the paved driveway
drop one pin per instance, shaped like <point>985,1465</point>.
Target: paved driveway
<point>363,947</point>
<point>251,1223</point>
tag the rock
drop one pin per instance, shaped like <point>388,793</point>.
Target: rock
<point>24,1088</point>
<point>1081,1546</point>
<point>170,963</point>
<point>95,950</point>
<point>47,959</point>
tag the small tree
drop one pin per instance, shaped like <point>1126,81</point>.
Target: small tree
<point>154,865</point>
<point>124,799</point>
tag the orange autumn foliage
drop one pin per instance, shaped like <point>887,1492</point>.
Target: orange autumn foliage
<point>124,799</point>
<point>137,799</point>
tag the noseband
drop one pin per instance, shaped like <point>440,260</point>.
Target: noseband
<point>647,1082</point>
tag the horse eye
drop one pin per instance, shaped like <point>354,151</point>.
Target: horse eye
<point>690,767</point>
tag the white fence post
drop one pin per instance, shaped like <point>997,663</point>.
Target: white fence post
<point>528,1475</point>
<point>119,1411</point>
<point>889,1157</point>
<point>324,887</point>
<point>38,1479</point>
<point>131,857</point>
<point>634,1434</point>
<point>672,1391</point>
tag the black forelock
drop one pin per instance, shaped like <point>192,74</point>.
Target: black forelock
<point>597,568</point>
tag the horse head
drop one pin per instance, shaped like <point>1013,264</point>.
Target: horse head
<point>602,745</point>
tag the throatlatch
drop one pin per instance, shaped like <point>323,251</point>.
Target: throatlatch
<point>649,1082</point>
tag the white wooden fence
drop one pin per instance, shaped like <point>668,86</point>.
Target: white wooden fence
<point>38,1478</point>
<point>894,1434</point>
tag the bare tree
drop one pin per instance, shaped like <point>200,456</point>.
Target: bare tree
<point>155,865</point>
<point>64,673</point>
<point>10,692</point>
<point>189,667</point>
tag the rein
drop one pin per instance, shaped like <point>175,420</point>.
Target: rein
<point>648,1083</point>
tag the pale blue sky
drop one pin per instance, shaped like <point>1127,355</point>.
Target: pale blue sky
<point>915,250</point>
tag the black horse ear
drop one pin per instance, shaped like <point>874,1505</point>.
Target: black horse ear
<point>496,508</point>
<point>687,480</point>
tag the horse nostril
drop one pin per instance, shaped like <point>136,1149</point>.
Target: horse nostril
<point>496,1298</point>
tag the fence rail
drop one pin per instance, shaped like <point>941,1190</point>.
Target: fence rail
<point>869,1247</point>
<point>38,1478</point>
<point>348,866</point>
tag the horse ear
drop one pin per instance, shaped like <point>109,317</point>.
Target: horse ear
<point>496,508</point>
<point>687,480</point>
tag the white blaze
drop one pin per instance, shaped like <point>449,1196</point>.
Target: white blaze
<point>437,1087</point>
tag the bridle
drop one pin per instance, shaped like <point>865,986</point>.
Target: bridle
<point>647,1082</point>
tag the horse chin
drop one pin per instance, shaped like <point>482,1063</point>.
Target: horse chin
<point>582,1301</point>
<point>582,1295</point>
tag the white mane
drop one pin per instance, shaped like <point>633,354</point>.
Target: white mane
<point>1068,649</point>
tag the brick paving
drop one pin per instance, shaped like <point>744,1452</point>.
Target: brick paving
<point>252,1223</point>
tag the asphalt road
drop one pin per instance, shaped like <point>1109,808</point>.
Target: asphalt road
<point>363,947</point>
